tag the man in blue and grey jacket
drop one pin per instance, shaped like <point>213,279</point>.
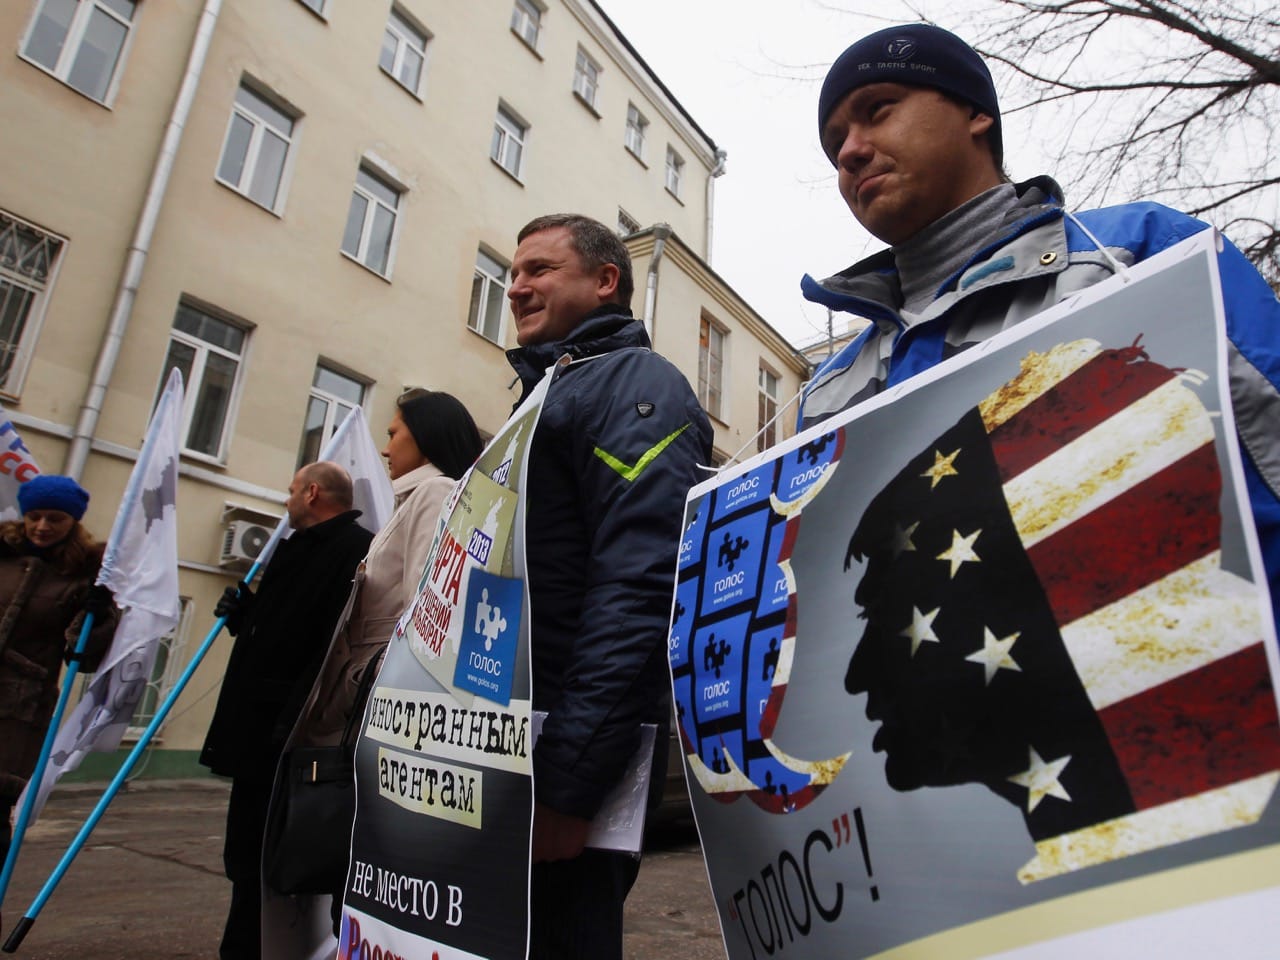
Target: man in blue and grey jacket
<point>909,117</point>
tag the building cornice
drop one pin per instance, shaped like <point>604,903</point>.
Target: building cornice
<point>606,33</point>
<point>677,251</point>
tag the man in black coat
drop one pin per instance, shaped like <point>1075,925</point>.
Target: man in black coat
<point>282,634</point>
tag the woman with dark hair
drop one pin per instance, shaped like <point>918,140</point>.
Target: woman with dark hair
<point>431,442</point>
<point>48,563</point>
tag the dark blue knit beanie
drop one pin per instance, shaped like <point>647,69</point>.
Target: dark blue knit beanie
<point>51,492</point>
<point>919,54</point>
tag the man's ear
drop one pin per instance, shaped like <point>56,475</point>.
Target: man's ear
<point>980,123</point>
<point>607,281</point>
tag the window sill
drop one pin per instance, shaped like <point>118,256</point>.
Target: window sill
<point>526,44</point>
<point>587,105</point>
<point>491,342</point>
<point>635,156</point>
<point>396,80</point>
<point>322,17</point>
<point>111,89</point>
<point>386,278</point>
<point>203,459</point>
<point>674,196</point>
<point>506,171</point>
<point>278,214</point>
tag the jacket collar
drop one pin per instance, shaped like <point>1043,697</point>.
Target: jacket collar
<point>405,484</point>
<point>609,327</point>
<point>325,528</point>
<point>870,287</point>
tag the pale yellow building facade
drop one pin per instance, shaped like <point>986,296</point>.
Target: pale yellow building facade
<point>306,205</point>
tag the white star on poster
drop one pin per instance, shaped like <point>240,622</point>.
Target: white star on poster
<point>994,654</point>
<point>1041,779</point>
<point>902,539</point>
<point>961,550</point>
<point>921,628</point>
<point>942,467</point>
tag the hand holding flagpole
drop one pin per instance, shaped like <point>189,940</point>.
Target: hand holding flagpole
<point>351,446</point>
<point>140,567</point>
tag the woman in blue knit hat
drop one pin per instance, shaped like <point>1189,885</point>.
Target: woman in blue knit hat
<point>48,563</point>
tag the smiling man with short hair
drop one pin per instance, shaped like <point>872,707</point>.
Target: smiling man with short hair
<point>615,451</point>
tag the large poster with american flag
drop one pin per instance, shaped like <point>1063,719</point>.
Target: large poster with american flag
<point>984,667</point>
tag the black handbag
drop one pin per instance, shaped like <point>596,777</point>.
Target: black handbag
<point>308,834</point>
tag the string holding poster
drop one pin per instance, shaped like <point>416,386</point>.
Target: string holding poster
<point>985,666</point>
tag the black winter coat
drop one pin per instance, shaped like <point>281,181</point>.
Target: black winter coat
<point>283,636</point>
<point>615,451</point>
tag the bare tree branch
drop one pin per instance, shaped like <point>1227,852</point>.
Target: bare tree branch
<point>1151,98</point>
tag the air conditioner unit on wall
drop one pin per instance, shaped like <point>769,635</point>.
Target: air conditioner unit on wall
<point>243,541</point>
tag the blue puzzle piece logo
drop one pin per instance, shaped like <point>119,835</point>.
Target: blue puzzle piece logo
<point>751,488</point>
<point>490,633</point>
<point>682,623</point>
<point>807,465</point>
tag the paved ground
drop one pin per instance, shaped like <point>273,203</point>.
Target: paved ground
<point>148,885</point>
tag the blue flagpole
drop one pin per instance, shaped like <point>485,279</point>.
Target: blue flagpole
<point>33,784</point>
<point>24,925</point>
<point>109,558</point>
<point>19,932</point>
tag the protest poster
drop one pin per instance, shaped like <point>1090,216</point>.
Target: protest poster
<point>439,861</point>
<point>984,666</point>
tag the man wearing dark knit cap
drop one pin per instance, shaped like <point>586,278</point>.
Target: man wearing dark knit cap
<point>910,119</point>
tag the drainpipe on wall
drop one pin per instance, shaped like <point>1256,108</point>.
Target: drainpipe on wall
<point>140,246</point>
<point>660,233</point>
<point>716,171</point>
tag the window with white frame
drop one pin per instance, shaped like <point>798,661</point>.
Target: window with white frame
<point>28,263</point>
<point>767,392</point>
<point>710,366</point>
<point>627,224</point>
<point>507,148</point>
<point>208,350</point>
<point>404,51</point>
<point>165,671</point>
<point>526,21</point>
<point>81,42</point>
<point>586,78</point>
<point>371,221</point>
<point>259,136</point>
<point>333,396</point>
<point>675,171</point>
<point>637,124</point>
<point>488,297</point>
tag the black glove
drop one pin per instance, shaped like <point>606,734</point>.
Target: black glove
<point>233,604</point>
<point>100,602</point>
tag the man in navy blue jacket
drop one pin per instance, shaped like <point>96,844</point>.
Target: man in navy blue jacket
<point>616,449</point>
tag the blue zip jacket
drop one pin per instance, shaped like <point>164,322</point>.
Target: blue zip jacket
<point>1036,258</point>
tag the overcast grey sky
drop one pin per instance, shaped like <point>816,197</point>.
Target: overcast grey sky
<point>749,72</point>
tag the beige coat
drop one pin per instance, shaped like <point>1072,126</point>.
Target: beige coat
<point>385,584</point>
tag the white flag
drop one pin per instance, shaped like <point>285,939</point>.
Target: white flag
<point>17,466</point>
<point>140,567</point>
<point>353,449</point>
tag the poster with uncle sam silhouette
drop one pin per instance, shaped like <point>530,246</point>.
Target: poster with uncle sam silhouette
<point>444,793</point>
<point>984,667</point>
